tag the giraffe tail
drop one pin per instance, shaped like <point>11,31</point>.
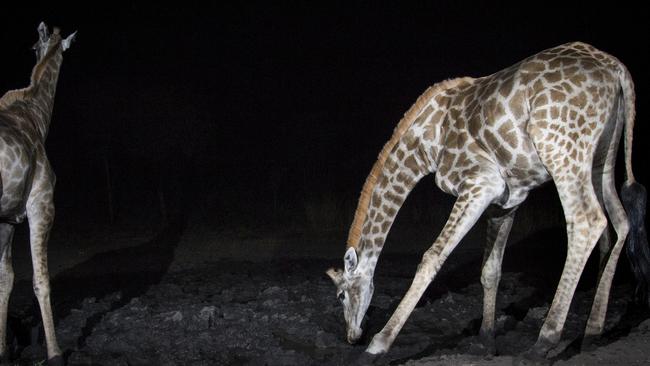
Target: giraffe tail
<point>634,198</point>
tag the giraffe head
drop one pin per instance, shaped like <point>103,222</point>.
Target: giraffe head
<point>354,290</point>
<point>47,41</point>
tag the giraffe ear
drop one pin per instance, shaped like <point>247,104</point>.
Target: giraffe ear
<point>66,42</point>
<point>43,33</point>
<point>350,259</point>
<point>336,275</point>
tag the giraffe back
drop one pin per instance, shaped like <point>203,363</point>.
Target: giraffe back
<point>566,93</point>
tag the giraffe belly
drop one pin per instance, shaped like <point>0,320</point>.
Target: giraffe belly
<point>522,172</point>
<point>12,207</point>
<point>521,181</point>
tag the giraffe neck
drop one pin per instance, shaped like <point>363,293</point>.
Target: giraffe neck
<point>43,88</point>
<point>403,170</point>
<point>410,154</point>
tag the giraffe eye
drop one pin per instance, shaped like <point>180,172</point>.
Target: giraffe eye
<point>341,296</point>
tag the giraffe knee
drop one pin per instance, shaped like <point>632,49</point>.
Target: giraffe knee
<point>41,289</point>
<point>489,279</point>
<point>593,224</point>
<point>598,221</point>
<point>490,276</point>
<point>622,229</point>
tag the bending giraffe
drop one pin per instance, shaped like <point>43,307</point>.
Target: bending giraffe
<point>27,179</point>
<point>557,115</point>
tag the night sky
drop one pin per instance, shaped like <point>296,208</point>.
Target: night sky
<point>251,111</point>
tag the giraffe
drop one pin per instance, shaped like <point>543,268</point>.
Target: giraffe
<point>27,179</point>
<point>555,116</point>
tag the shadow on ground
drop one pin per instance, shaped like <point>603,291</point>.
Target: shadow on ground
<point>119,275</point>
<point>126,308</point>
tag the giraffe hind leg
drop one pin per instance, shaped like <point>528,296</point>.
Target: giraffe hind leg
<point>585,221</point>
<point>604,177</point>
<point>603,165</point>
<point>618,218</point>
<point>605,240</point>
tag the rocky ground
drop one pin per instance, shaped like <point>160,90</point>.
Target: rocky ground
<point>286,313</point>
<point>167,299</point>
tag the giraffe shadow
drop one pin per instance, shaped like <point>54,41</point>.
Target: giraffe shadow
<point>113,278</point>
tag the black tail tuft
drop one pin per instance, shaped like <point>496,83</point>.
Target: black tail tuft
<point>634,197</point>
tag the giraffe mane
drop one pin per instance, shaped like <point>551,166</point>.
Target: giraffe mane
<point>18,95</point>
<point>410,116</point>
<point>11,97</point>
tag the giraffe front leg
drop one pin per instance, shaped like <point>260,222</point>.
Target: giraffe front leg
<point>40,213</point>
<point>473,200</point>
<point>499,225</point>
<point>6,285</point>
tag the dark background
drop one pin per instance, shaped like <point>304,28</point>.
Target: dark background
<point>265,119</point>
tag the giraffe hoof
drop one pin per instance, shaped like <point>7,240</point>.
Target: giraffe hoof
<point>534,356</point>
<point>483,348</point>
<point>367,359</point>
<point>484,345</point>
<point>588,343</point>
<point>524,360</point>
<point>56,361</point>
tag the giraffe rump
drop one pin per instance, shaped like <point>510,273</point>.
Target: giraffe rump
<point>410,116</point>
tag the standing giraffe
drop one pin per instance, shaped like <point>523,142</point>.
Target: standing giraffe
<point>27,179</point>
<point>557,115</point>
